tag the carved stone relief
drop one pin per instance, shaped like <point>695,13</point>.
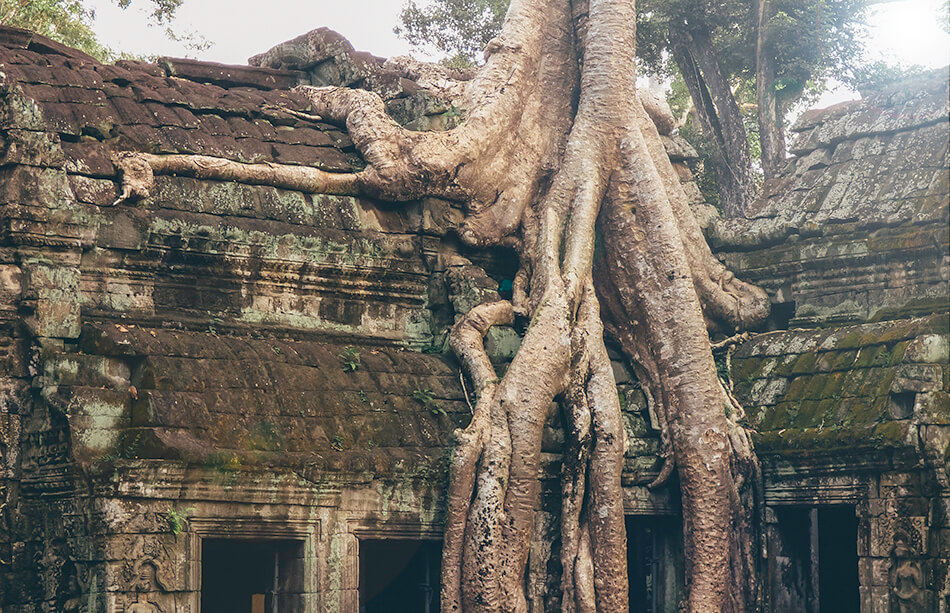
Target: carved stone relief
<point>150,592</point>
<point>73,601</point>
<point>906,576</point>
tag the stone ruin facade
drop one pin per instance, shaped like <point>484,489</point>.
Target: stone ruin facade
<point>235,397</point>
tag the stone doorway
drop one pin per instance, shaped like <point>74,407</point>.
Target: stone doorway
<point>655,568</point>
<point>399,575</point>
<point>252,576</point>
<point>838,560</point>
<point>813,559</point>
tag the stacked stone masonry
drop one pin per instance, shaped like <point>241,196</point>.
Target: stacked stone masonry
<point>223,364</point>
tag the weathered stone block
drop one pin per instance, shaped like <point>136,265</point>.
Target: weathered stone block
<point>124,229</point>
<point>767,392</point>
<point>439,217</point>
<point>55,290</point>
<point>502,343</point>
<point>879,568</point>
<point>33,149</point>
<point>879,600</point>
<point>935,441</point>
<point>917,378</point>
<point>21,112</point>
<point>45,187</point>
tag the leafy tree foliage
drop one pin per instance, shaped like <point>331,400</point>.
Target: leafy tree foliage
<point>70,22</point>
<point>460,29</point>
<point>163,11</point>
<point>810,39</point>
<point>67,22</point>
<point>781,50</point>
<point>875,75</point>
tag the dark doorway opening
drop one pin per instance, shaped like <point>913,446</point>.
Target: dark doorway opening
<point>400,576</point>
<point>791,569</point>
<point>838,560</point>
<point>251,576</point>
<point>813,560</point>
<point>655,569</point>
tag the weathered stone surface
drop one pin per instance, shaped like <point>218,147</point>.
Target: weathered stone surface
<point>855,204</point>
<point>836,387</point>
<point>230,76</point>
<point>243,362</point>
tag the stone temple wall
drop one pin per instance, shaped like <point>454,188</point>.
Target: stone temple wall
<point>864,199</point>
<point>850,402</point>
<point>222,364</point>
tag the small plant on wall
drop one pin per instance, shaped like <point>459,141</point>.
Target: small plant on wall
<point>337,443</point>
<point>350,359</point>
<point>177,520</point>
<point>425,397</point>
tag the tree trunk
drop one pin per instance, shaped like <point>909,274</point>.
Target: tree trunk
<point>556,144</point>
<point>771,130</point>
<point>720,118</point>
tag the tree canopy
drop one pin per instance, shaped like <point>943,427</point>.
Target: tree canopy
<point>459,29</point>
<point>70,22</point>
<point>808,40</point>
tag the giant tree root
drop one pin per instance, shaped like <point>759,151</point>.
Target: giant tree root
<point>138,171</point>
<point>556,149</point>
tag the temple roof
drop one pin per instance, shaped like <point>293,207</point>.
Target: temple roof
<point>174,106</point>
<point>208,322</point>
<point>882,160</point>
<point>867,385</point>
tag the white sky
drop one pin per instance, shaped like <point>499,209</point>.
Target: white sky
<point>908,31</point>
<point>905,31</point>
<point>242,28</point>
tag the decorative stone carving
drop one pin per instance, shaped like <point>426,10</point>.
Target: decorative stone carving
<point>906,578</point>
<point>73,602</point>
<point>145,585</point>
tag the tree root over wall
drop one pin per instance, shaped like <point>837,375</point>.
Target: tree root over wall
<point>557,148</point>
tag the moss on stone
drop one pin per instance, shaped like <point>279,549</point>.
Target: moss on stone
<point>795,442</point>
<point>915,307</point>
<point>897,353</point>
<point>805,364</point>
<point>826,361</point>
<point>796,389</point>
<point>874,355</point>
<point>843,360</point>
<point>814,389</point>
<point>833,386</point>
<point>900,239</point>
<point>743,387</point>
<point>851,339</point>
<point>889,434</point>
<point>884,383</point>
<point>810,414</point>
<point>938,323</point>
<point>747,368</point>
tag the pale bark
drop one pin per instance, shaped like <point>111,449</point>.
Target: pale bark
<point>138,170</point>
<point>645,250</point>
<point>771,131</point>
<point>556,144</point>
